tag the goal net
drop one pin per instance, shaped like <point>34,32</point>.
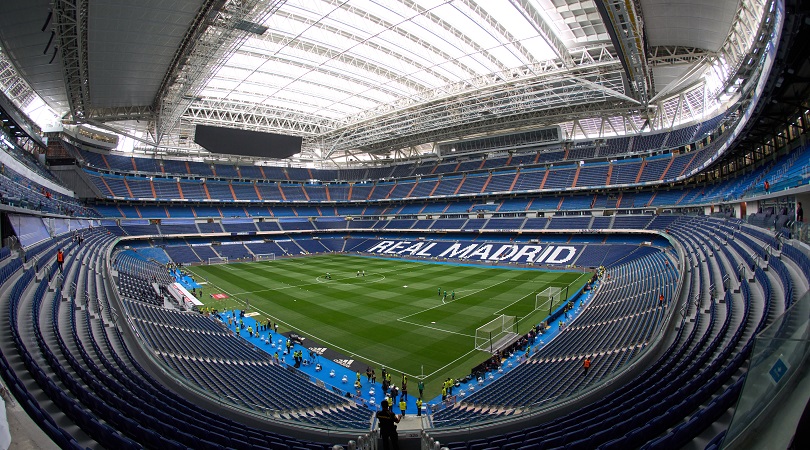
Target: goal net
<point>218,260</point>
<point>264,257</point>
<point>548,299</point>
<point>496,333</point>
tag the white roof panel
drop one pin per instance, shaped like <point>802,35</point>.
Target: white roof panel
<point>338,63</point>
<point>689,23</point>
<point>131,45</point>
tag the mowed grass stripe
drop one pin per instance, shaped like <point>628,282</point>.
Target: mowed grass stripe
<point>269,277</point>
<point>363,316</point>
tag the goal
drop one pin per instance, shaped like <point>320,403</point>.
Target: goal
<point>548,299</point>
<point>496,334</point>
<point>218,260</point>
<point>264,257</point>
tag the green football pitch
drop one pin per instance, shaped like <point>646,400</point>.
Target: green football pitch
<point>392,317</point>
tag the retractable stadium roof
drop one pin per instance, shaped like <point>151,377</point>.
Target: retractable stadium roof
<point>372,78</point>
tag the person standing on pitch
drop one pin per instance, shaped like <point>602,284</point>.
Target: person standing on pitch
<point>388,427</point>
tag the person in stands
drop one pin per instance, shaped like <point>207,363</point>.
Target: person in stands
<point>60,259</point>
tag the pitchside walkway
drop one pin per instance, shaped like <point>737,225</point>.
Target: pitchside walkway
<point>185,280</point>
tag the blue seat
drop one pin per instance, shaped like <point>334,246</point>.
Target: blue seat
<point>174,445</point>
<point>111,439</point>
<point>221,439</point>
<point>660,442</point>
<point>580,444</point>
<point>54,433</point>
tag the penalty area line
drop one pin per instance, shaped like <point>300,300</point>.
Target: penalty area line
<point>451,363</point>
<point>435,328</point>
<point>509,305</point>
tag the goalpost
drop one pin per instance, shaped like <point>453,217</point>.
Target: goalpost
<point>548,299</point>
<point>218,260</point>
<point>496,333</point>
<point>264,257</point>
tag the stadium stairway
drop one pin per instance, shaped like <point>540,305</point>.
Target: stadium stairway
<point>24,369</point>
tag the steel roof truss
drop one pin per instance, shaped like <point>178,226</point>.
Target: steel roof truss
<point>70,18</point>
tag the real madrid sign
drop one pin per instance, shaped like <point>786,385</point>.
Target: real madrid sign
<point>518,253</point>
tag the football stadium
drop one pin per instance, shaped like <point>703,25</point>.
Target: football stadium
<point>416,224</point>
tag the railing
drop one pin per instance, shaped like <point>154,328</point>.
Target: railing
<point>363,442</point>
<point>726,282</point>
<point>801,231</point>
<point>428,443</point>
<point>777,364</point>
